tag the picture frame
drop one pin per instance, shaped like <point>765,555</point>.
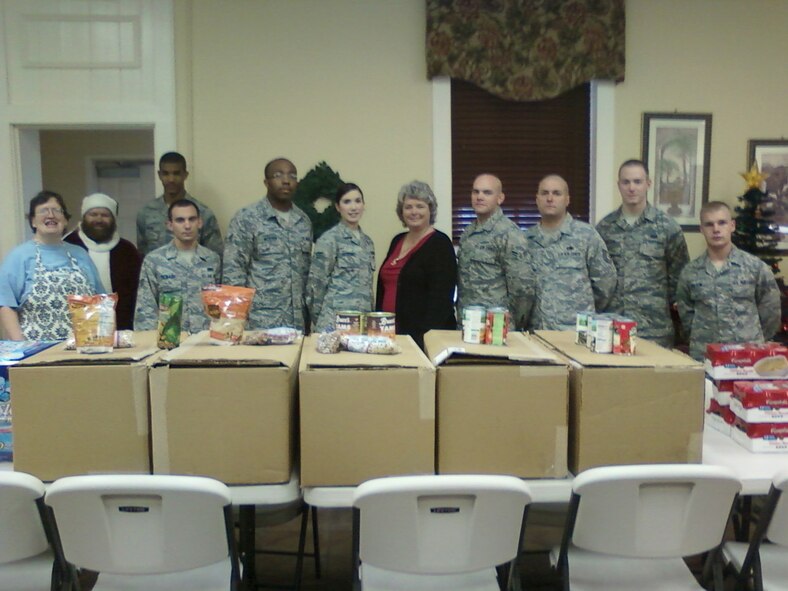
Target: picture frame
<point>771,156</point>
<point>677,149</point>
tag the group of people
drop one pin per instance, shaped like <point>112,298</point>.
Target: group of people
<point>635,263</point>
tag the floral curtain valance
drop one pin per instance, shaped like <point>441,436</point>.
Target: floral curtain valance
<point>526,49</point>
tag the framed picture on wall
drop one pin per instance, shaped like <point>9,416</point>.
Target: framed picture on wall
<point>771,156</point>
<point>677,147</point>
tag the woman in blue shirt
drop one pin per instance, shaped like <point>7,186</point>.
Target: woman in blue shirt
<point>36,276</point>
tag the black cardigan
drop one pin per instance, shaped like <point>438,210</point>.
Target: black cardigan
<point>425,289</point>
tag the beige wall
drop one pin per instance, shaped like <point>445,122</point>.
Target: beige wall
<point>724,57</point>
<point>344,81</point>
<point>341,81</point>
<point>64,155</point>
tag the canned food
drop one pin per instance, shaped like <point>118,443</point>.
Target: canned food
<point>624,336</point>
<point>603,334</point>
<point>381,324</point>
<point>473,324</point>
<point>350,322</point>
<point>496,326</point>
<point>581,328</point>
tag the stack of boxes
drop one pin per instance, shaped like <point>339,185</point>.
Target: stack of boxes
<point>748,398</point>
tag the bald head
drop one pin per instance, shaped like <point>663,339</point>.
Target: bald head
<point>486,196</point>
<point>552,199</point>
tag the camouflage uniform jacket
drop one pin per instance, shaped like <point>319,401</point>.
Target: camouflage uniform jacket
<point>494,268</point>
<point>162,272</point>
<point>262,252</point>
<point>737,304</point>
<point>649,256</point>
<point>152,232</point>
<point>340,278</point>
<point>573,274</point>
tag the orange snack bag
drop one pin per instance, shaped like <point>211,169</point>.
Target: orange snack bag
<point>228,307</point>
<point>93,321</point>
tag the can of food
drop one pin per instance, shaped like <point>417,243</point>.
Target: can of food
<point>603,334</point>
<point>624,336</point>
<point>381,324</point>
<point>473,324</point>
<point>169,325</point>
<point>496,326</point>
<point>349,322</point>
<point>581,328</point>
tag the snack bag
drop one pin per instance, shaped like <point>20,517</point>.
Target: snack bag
<point>228,306</point>
<point>169,326</point>
<point>93,321</point>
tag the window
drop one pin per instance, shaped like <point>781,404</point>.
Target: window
<point>520,142</point>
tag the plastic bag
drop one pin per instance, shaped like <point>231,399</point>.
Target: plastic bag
<point>228,307</point>
<point>93,321</point>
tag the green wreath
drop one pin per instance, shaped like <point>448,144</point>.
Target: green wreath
<point>315,195</point>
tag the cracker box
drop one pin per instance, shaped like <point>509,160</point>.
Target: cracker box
<point>501,409</point>
<point>746,361</point>
<point>760,401</point>
<point>720,417</point>
<point>760,437</point>
<point>721,391</point>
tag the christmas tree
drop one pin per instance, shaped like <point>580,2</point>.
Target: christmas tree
<point>758,233</point>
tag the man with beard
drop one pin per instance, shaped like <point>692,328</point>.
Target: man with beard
<point>117,260</point>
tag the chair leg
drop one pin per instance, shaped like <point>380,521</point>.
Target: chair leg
<point>301,545</point>
<point>315,541</point>
<point>246,538</point>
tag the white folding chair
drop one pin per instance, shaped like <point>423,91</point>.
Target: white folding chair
<point>26,560</point>
<point>764,561</point>
<point>438,532</point>
<point>628,527</point>
<point>152,532</point>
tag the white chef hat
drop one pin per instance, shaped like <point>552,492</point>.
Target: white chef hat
<point>99,200</point>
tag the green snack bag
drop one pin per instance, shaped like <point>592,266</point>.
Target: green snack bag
<point>170,313</point>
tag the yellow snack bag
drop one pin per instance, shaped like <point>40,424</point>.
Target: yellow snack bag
<point>93,321</point>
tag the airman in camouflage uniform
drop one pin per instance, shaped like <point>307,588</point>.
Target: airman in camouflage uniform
<point>494,270</point>
<point>340,278</point>
<point>573,270</point>
<point>649,251</point>
<point>268,247</point>
<point>726,295</point>
<point>152,231</point>
<point>182,267</point>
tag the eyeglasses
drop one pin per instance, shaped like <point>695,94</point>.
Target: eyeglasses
<point>280,175</point>
<point>54,211</point>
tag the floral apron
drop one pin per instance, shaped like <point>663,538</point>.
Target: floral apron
<point>44,314</point>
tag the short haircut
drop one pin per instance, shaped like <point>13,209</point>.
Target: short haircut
<point>556,176</point>
<point>495,176</point>
<point>346,188</point>
<point>417,190</point>
<point>41,198</point>
<point>182,203</point>
<point>267,168</point>
<point>713,206</point>
<point>172,158</point>
<point>634,162</point>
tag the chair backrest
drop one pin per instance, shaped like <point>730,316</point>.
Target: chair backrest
<point>777,532</point>
<point>21,531</point>
<point>440,524</point>
<point>654,511</point>
<point>140,524</point>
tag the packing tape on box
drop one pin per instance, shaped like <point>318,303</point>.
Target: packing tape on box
<point>139,385</point>
<point>561,451</point>
<point>159,382</point>
<point>426,394</point>
<point>542,371</point>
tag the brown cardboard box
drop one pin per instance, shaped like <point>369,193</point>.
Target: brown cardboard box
<point>365,416</point>
<point>225,412</point>
<point>78,414</point>
<point>641,409</point>
<point>501,410</point>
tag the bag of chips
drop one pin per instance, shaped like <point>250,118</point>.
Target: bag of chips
<point>93,321</point>
<point>170,317</point>
<point>228,307</point>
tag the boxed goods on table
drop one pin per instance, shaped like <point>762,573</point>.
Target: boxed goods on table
<point>746,361</point>
<point>11,353</point>
<point>225,412</point>
<point>760,401</point>
<point>760,437</point>
<point>643,408</point>
<point>719,417</point>
<point>364,416</point>
<point>79,414</point>
<point>501,409</point>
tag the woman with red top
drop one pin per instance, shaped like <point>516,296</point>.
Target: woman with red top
<point>418,278</point>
